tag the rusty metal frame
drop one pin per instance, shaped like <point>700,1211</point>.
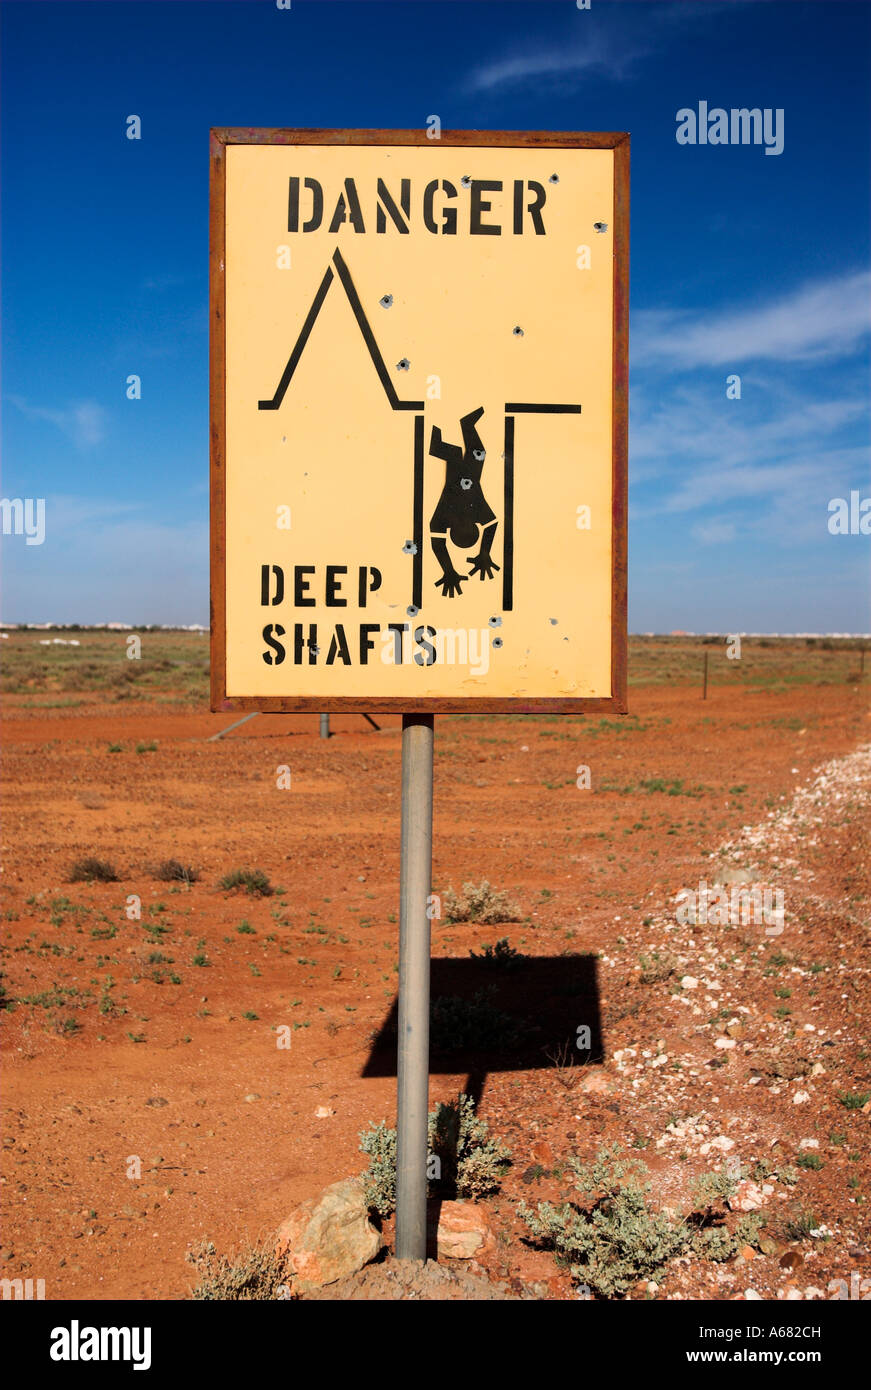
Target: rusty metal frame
<point>618,141</point>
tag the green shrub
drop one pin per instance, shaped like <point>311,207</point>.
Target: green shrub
<point>609,1237</point>
<point>501,954</point>
<point>463,1160</point>
<point>379,1180</point>
<point>252,880</point>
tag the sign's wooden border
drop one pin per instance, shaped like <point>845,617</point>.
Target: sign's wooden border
<point>618,141</point>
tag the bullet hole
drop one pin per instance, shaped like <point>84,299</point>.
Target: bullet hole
<point>409,548</point>
<point>600,226</point>
<point>316,651</point>
<point>553,622</point>
<point>478,455</point>
<point>495,622</point>
<point>554,178</point>
<point>412,611</point>
<point>466,181</point>
<point>385,301</point>
<point>403,364</point>
<point>465,484</point>
<point>518,331</point>
<point>497,642</point>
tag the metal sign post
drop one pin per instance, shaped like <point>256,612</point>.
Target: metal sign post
<point>415,883</point>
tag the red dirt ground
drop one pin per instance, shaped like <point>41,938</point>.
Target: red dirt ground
<point>223,1122</point>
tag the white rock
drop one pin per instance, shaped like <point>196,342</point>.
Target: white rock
<point>689,982</point>
<point>809,1144</point>
<point>724,1043</point>
<point>753,1297</point>
<point>794,1296</point>
<point>800,1098</point>
<point>323,1112</point>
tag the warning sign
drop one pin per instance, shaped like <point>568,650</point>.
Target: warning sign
<point>418,420</point>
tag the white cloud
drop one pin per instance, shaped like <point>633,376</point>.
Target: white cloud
<point>84,422</point>
<point>604,41</point>
<point>825,319</point>
<point>592,55</point>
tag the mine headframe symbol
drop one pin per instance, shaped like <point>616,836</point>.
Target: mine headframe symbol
<point>462,512</point>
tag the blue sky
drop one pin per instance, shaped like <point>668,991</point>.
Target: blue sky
<point>742,263</point>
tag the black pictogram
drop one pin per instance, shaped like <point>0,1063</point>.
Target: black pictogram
<point>463,514</point>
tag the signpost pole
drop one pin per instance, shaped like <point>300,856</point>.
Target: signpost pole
<point>705,679</point>
<point>415,884</point>
<point>325,726</point>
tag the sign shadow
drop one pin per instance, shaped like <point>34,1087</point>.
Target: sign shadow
<point>520,1014</point>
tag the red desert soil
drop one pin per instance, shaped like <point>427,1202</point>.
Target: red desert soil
<point>130,1049</point>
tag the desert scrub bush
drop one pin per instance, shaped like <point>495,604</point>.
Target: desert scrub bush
<point>464,1160</point>
<point>501,954</point>
<point>480,903</point>
<point>456,1023</point>
<point>379,1180</point>
<point>471,1162</point>
<point>255,1272</point>
<point>92,870</point>
<point>171,871</point>
<point>609,1237</point>
<point>254,881</point>
<point>657,966</point>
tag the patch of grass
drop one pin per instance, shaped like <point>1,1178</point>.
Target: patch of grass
<point>254,881</point>
<point>92,870</point>
<point>854,1100</point>
<point>799,1224</point>
<point>809,1160</point>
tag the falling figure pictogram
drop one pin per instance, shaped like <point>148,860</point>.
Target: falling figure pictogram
<point>462,512</point>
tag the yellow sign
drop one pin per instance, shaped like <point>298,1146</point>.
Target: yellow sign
<point>418,420</point>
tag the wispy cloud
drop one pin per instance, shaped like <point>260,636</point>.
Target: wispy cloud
<point>84,422</point>
<point>600,42</point>
<point>824,319</point>
<point>588,54</point>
